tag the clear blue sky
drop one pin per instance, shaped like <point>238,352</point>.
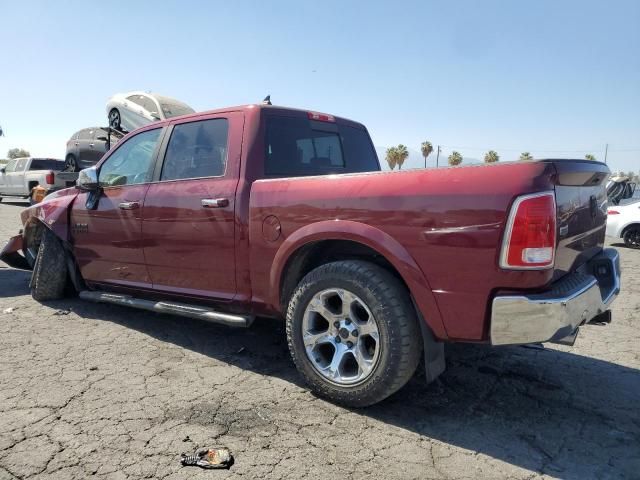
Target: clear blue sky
<point>556,78</point>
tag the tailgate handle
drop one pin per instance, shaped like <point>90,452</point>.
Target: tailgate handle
<point>128,205</point>
<point>215,202</point>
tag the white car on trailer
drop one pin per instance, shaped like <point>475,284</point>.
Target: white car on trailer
<point>131,110</point>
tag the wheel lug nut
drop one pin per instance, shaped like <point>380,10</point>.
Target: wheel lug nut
<point>350,344</point>
<point>338,339</point>
<point>355,333</point>
<point>347,321</point>
<point>336,324</point>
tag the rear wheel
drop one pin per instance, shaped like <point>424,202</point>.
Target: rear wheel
<point>631,237</point>
<point>70,163</point>
<point>49,277</point>
<point>353,333</point>
<point>114,119</point>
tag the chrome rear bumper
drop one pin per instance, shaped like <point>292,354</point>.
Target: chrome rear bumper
<point>551,316</point>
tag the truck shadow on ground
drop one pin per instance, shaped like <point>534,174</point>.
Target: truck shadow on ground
<point>543,410</point>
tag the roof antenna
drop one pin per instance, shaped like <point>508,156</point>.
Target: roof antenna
<point>267,100</point>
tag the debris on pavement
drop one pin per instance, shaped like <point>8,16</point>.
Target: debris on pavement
<point>93,369</point>
<point>208,458</point>
<point>8,310</point>
<point>62,312</point>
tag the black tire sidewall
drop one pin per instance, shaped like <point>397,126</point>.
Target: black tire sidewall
<point>378,385</point>
<point>49,277</point>
<point>627,237</point>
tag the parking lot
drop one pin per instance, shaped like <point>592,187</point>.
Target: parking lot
<point>98,390</point>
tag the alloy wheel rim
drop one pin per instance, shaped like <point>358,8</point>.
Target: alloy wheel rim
<point>114,119</point>
<point>341,337</point>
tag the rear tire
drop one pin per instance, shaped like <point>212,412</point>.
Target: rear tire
<point>631,237</point>
<point>49,277</point>
<point>353,293</point>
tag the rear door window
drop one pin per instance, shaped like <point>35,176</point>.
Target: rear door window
<point>196,150</point>
<point>149,105</point>
<point>137,99</point>
<point>301,147</point>
<point>46,164</point>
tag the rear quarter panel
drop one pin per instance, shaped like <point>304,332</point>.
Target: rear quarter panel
<point>448,222</point>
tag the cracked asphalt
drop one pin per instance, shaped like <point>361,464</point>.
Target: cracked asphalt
<point>90,390</point>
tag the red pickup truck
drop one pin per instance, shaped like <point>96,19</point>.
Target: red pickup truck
<point>259,210</point>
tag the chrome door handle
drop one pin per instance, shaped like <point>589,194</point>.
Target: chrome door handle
<point>215,202</point>
<point>128,205</point>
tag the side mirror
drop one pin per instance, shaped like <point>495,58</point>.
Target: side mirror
<point>154,115</point>
<point>87,180</point>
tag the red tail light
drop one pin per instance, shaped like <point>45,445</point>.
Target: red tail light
<point>530,235</point>
<point>49,179</point>
<point>321,117</point>
<point>613,212</point>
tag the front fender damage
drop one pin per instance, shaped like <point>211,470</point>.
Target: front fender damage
<point>52,213</point>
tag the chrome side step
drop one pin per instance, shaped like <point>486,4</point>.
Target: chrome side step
<point>182,309</point>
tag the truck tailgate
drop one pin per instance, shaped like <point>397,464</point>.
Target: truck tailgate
<point>581,200</point>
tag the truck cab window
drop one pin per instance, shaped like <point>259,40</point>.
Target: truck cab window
<point>196,150</point>
<point>11,166</point>
<point>301,147</point>
<point>20,165</point>
<point>132,163</point>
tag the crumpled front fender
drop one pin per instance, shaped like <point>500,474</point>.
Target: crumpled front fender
<point>11,255</point>
<point>52,212</point>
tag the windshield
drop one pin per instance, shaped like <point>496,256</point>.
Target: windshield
<point>175,109</point>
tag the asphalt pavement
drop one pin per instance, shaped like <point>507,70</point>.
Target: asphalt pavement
<point>89,390</point>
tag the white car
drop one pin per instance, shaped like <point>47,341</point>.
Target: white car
<point>128,111</point>
<point>624,222</point>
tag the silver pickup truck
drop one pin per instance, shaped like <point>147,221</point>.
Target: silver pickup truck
<point>20,175</point>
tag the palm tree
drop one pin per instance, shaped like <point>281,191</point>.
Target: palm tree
<point>526,156</point>
<point>426,148</point>
<point>392,157</point>
<point>402,154</point>
<point>591,157</point>
<point>455,158</point>
<point>491,156</point>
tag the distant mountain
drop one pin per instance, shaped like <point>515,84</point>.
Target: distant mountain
<point>415,159</point>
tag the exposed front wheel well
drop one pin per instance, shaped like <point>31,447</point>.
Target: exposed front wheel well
<point>32,185</point>
<point>629,227</point>
<point>315,254</point>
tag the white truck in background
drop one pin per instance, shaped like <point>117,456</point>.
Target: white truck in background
<point>21,175</point>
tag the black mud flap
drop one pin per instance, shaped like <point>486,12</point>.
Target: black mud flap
<point>434,361</point>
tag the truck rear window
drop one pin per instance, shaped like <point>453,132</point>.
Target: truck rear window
<point>46,164</point>
<point>298,147</point>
